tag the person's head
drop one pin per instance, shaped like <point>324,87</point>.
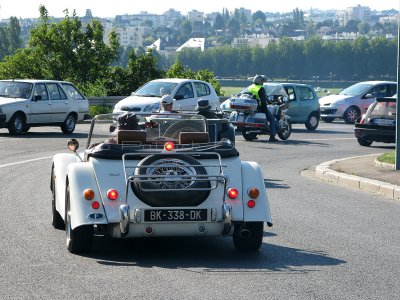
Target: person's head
<point>259,79</point>
<point>203,105</point>
<point>128,121</point>
<point>166,103</point>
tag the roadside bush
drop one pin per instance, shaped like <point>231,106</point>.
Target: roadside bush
<point>100,109</point>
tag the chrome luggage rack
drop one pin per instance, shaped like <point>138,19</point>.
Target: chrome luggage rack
<point>167,177</point>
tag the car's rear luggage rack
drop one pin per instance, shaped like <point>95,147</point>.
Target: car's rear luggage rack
<point>168,177</point>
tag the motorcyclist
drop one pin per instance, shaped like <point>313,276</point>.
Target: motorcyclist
<point>258,91</point>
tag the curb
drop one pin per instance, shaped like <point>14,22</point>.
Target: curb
<point>325,173</point>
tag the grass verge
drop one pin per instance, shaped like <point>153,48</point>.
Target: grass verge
<point>388,157</point>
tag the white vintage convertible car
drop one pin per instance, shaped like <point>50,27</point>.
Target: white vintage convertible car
<point>178,175</point>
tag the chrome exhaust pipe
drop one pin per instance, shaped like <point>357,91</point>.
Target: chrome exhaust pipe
<point>124,222</point>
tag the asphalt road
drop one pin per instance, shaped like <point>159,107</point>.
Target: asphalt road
<point>327,242</point>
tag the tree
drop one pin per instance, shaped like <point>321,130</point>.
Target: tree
<point>219,23</point>
<point>259,15</point>
<point>64,51</point>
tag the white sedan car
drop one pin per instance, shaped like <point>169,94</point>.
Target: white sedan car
<point>185,92</point>
<point>28,103</point>
<point>173,178</point>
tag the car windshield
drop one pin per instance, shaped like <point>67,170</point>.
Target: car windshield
<point>157,127</point>
<point>155,89</point>
<point>271,89</point>
<point>15,89</point>
<point>356,89</point>
<point>384,108</point>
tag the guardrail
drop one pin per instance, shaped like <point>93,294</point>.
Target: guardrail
<point>112,100</point>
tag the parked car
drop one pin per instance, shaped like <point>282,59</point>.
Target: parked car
<point>303,102</point>
<point>353,102</point>
<point>28,103</point>
<point>379,123</point>
<point>185,92</point>
<point>174,178</point>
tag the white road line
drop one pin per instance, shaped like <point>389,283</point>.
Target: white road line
<point>24,161</point>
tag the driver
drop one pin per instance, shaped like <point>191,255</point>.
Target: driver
<point>258,91</point>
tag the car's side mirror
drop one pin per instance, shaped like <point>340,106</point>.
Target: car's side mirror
<point>37,97</point>
<point>368,96</point>
<point>178,97</point>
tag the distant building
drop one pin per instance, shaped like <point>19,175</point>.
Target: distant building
<point>193,43</point>
<point>141,19</point>
<point>360,13</point>
<point>195,16</point>
<point>254,40</point>
<point>128,35</point>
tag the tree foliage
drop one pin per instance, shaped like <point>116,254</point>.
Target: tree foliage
<point>63,51</point>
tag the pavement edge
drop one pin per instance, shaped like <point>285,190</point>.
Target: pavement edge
<point>324,172</point>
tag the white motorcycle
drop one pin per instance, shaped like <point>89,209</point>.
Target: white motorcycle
<point>252,123</point>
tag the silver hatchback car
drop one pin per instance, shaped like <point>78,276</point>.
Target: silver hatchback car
<point>351,103</point>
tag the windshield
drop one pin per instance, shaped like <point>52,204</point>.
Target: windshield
<point>156,89</point>
<point>15,89</point>
<point>356,89</point>
<point>157,127</point>
<point>271,89</point>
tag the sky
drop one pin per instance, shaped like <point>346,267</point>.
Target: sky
<point>110,8</point>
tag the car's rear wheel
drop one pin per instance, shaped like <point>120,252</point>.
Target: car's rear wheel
<point>56,219</point>
<point>80,239</point>
<point>312,121</point>
<point>364,142</point>
<point>16,124</point>
<point>174,186</point>
<point>248,136</point>
<point>351,115</point>
<point>327,120</point>
<point>248,236</point>
<point>69,124</point>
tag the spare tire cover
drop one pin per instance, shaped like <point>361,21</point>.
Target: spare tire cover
<point>171,167</point>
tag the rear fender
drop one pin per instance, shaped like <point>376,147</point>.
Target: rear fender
<point>81,177</point>
<point>61,161</point>
<point>252,176</point>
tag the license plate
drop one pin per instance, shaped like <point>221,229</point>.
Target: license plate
<point>386,122</point>
<point>176,215</point>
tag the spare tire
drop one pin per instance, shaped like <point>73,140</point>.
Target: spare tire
<point>186,192</point>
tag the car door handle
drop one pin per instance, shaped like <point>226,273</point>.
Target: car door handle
<point>66,102</point>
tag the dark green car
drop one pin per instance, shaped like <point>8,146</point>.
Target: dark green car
<point>303,102</point>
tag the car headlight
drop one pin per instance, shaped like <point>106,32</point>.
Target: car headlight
<point>151,107</point>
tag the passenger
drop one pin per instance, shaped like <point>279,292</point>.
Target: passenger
<point>203,108</point>
<point>126,121</point>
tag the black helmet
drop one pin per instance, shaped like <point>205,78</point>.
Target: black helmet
<point>259,79</point>
<point>128,121</point>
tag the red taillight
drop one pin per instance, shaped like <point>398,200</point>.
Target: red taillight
<point>88,194</point>
<point>112,194</point>
<point>95,205</point>
<point>232,193</point>
<point>169,146</point>
<point>251,203</point>
<point>253,192</point>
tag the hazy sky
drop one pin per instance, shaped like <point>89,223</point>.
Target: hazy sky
<point>110,8</point>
